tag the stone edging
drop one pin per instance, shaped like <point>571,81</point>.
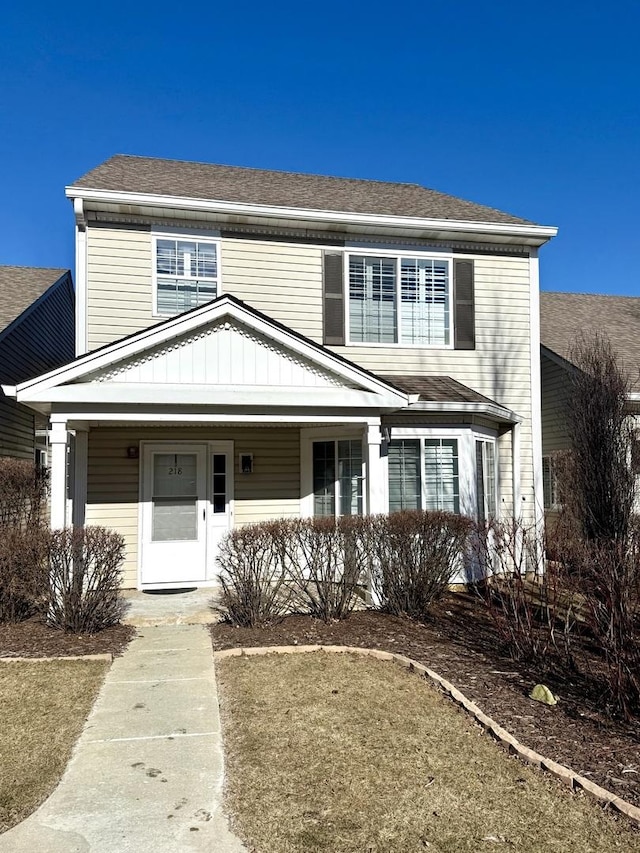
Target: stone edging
<point>105,656</point>
<point>565,774</point>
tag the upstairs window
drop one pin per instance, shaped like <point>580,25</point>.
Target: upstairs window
<point>403,300</point>
<point>187,274</point>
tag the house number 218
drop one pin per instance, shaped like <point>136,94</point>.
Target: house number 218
<point>173,471</point>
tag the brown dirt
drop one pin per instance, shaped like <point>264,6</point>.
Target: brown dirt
<point>35,639</point>
<point>460,644</point>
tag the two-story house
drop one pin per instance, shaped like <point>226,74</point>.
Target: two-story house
<point>256,344</point>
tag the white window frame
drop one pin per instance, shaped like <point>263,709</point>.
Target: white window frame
<point>307,439</point>
<point>398,253</point>
<point>485,442</point>
<point>555,503</point>
<point>467,475</point>
<point>197,235</point>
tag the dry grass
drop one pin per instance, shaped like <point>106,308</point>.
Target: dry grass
<point>43,707</point>
<point>339,753</point>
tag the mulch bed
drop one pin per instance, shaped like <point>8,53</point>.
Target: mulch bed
<point>34,639</point>
<point>460,644</point>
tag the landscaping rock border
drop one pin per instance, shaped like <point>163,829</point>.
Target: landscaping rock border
<point>564,774</point>
<point>105,656</point>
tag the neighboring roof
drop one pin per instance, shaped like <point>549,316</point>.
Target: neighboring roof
<point>437,389</point>
<point>564,317</point>
<point>21,286</point>
<point>183,179</point>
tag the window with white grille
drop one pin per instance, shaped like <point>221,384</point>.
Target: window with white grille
<point>399,300</point>
<point>337,477</point>
<point>423,474</point>
<point>187,273</point>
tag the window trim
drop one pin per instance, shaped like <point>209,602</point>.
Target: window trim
<point>335,434</point>
<point>398,254</point>
<point>485,441</point>
<point>198,235</point>
<point>555,503</point>
<point>466,437</point>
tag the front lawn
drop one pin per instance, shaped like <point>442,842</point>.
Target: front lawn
<point>43,706</point>
<point>340,753</point>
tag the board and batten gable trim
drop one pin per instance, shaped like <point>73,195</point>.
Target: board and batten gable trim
<point>464,331</point>
<point>333,299</point>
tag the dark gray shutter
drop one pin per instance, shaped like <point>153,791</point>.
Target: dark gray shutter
<point>333,299</point>
<point>464,324</point>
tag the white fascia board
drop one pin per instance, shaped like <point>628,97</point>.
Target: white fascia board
<point>141,416</point>
<point>129,393</point>
<point>491,410</point>
<point>539,232</point>
<point>9,391</point>
<point>183,324</point>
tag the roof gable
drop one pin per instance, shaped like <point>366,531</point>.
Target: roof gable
<point>222,352</point>
<point>222,343</point>
<point>565,317</point>
<point>21,286</point>
<point>183,179</point>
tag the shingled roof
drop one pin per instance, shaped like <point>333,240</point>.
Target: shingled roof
<point>566,316</point>
<point>125,173</point>
<point>20,287</point>
<point>437,389</point>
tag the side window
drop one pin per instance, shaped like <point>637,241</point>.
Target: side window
<point>186,274</point>
<point>486,479</point>
<point>405,480</point>
<point>549,482</point>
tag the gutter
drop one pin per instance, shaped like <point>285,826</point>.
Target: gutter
<point>492,410</point>
<point>538,232</point>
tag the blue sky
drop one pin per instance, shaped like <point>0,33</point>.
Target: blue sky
<point>531,108</point>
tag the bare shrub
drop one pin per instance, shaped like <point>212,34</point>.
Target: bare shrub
<point>23,493</point>
<point>327,562</point>
<point>23,572</point>
<point>23,539</point>
<point>599,483</point>
<point>254,573</point>
<point>534,608</point>
<point>417,556</point>
<point>84,576</point>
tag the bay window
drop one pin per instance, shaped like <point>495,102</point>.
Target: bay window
<point>423,474</point>
<point>485,479</point>
<point>399,299</point>
<point>186,273</point>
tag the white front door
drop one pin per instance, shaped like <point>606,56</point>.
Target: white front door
<point>174,527</point>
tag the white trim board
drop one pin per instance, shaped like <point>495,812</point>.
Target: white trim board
<point>540,233</point>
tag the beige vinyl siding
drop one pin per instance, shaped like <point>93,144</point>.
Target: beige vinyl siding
<point>283,281</point>
<point>119,283</point>
<point>555,398</point>
<point>273,490</point>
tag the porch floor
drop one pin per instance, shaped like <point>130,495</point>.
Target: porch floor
<point>190,606</point>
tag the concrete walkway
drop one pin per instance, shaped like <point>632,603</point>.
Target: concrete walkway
<point>170,607</point>
<point>146,774</point>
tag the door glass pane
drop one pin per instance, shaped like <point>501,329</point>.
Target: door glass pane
<point>441,474</point>
<point>404,475</point>
<point>219,483</point>
<point>324,477</point>
<point>175,497</point>
<point>350,476</point>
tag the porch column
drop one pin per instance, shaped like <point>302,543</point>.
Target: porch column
<point>58,438</point>
<point>80,477</point>
<point>376,486</point>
